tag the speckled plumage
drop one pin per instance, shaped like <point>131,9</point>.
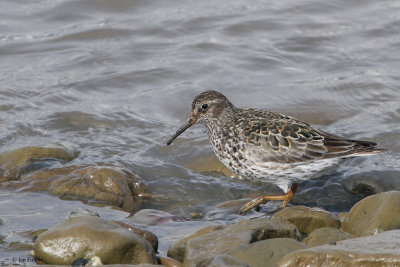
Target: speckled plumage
<point>258,144</point>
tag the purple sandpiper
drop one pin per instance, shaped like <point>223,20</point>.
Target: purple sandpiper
<point>273,147</point>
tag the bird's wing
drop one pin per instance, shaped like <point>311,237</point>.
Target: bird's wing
<point>283,139</point>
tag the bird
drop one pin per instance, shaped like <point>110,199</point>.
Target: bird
<point>269,146</point>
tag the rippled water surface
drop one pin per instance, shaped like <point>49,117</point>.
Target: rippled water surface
<point>114,80</point>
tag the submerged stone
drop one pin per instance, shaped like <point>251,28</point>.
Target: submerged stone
<point>154,217</point>
<point>210,165</point>
<point>369,183</point>
<point>26,156</point>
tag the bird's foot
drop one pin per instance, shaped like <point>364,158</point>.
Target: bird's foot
<point>264,199</point>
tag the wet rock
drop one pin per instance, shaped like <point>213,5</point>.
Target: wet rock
<point>224,260</point>
<point>370,183</point>
<point>327,195</point>
<point>308,219</point>
<point>146,235</point>
<point>96,184</point>
<point>341,216</point>
<point>378,250</point>
<point>154,217</point>
<point>79,262</point>
<point>202,249</point>
<point>325,235</point>
<point>266,253</point>
<point>169,262</point>
<point>227,210</point>
<point>178,249</point>
<point>79,212</point>
<point>374,214</point>
<point>209,165</point>
<point>86,237</point>
<point>19,246</point>
<point>27,156</point>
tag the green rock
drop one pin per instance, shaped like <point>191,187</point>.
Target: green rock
<point>86,237</point>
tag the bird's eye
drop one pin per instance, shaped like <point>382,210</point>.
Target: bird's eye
<point>204,106</point>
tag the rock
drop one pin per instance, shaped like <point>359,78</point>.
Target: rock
<point>266,253</point>
<point>86,237</point>
<point>16,245</point>
<point>308,219</point>
<point>26,156</point>
<point>374,214</point>
<point>224,260</point>
<point>378,250</point>
<point>79,212</point>
<point>154,217</point>
<point>169,262</point>
<point>202,249</point>
<point>326,195</point>
<point>104,185</point>
<point>178,249</point>
<point>227,210</point>
<point>342,215</point>
<point>325,235</point>
<point>209,165</point>
<point>373,182</point>
<point>146,235</point>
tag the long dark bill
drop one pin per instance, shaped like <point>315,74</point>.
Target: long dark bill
<point>186,125</point>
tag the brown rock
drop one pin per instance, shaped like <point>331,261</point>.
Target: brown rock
<point>146,235</point>
<point>210,165</point>
<point>105,185</point>
<point>376,251</point>
<point>86,237</point>
<point>27,155</point>
<point>308,219</point>
<point>202,249</point>
<point>325,235</point>
<point>374,214</point>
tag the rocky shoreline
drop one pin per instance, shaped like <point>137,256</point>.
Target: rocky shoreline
<point>294,236</point>
<point>367,235</point>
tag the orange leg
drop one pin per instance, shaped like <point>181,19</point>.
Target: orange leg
<point>264,199</point>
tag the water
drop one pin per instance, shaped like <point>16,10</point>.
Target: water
<point>115,79</point>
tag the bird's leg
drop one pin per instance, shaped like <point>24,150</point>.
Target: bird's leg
<point>264,199</point>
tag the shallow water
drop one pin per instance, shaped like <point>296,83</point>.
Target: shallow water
<point>114,80</point>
